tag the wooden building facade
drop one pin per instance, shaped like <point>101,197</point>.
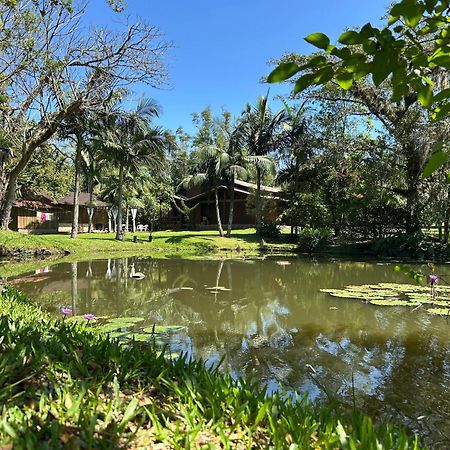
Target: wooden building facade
<point>43,215</point>
<point>203,215</point>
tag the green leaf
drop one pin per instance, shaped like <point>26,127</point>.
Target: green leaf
<point>441,112</point>
<point>319,40</point>
<point>283,72</point>
<point>425,96</point>
<point>302,83</point>
<point>350,38</point>
<point>381,67</point>
<point>324,75</point>
<point>447,179</point>
<point>392,20</point>
<point>436,161</point>
<point>345,80</point>
<point>443,95</point>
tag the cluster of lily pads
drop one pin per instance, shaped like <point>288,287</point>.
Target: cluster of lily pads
<point>124,328</point>
<point>435,299</point>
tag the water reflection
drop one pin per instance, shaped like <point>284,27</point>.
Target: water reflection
<point>269,319</point>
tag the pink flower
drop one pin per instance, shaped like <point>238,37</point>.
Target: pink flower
<point>433,279</point>
<point>65,312</point>
<point>89,317</point>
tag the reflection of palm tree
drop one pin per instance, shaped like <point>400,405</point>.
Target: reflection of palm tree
<point>74,273</point>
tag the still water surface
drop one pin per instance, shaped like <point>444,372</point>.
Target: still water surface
<point>274,322</point>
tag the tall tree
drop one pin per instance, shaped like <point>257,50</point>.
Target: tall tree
<point>52,68</point>
<point>129,141</point>
<point>261,135</point>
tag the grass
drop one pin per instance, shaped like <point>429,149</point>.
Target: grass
<point>64,384</point>
<point>180,243</point>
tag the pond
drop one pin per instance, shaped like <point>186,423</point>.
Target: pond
<point>268,318</point>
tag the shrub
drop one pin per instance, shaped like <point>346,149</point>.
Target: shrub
<point>313,239</point>
<point>269,230</point>
<point>417,245</point>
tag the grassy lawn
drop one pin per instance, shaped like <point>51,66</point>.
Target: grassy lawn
<point>64,384</point>
<point>183,243</point>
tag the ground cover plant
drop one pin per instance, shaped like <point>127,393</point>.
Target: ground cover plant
<point>65,384</point>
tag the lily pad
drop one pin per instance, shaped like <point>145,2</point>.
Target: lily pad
<point>396,294</point>
<point>439,311</point>
<point>393,303</point>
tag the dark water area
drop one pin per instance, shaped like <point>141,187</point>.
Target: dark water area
<point>269,319</point>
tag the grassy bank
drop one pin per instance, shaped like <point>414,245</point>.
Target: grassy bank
<point>180,243</point>
<point>65,385</point>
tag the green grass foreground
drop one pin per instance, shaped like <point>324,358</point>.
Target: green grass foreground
<point>180,243</point>
<point>65,385</point>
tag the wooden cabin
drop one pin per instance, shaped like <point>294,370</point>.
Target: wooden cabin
<point>34,216</point>
<point>203,215</point>
<point>41,214</point>
<point>65,215</point>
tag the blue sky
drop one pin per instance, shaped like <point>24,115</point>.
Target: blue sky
<point>222,48</point>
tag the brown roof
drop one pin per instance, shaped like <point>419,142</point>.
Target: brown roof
<point>84,200</point>
<point>244,188</point>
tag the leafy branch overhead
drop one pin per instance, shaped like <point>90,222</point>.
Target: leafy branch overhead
<point>411,52</point>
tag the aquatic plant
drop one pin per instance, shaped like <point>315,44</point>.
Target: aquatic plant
<point>66,312</point>
<point>395,294</point>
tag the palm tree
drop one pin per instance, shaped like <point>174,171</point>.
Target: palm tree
<point>129,142</point>
<point>229,160</point>
<point>261,133</point>
<point>296,148</point>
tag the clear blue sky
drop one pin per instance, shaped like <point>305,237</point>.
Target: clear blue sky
<point>222,48</point>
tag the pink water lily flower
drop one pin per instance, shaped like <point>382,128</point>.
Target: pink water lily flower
<point>433,279</point>
<point>65,312</point>
<point>89,317</point>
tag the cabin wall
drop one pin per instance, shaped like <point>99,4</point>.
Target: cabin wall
<point>204,214</point>
<point>99,220</point>
<point>29,221</point>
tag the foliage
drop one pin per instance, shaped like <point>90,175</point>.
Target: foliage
<point>306,210</point>
<point>312,240</point>
<point>65,385</point>
<point>411,52</point>
<point>268,230</point>
<point>417,246</point>
<point>50,172</point>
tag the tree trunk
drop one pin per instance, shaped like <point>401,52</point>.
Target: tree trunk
<point>258,208</point>
<point>446,231</point>
<point>76,190</point>
<point>219,221</point>
<point>10,197</point>
<point>231,211</point>
<point>412,210</point>
<point>119,230</point>
<point>10,193</point>
<point>127,218</point>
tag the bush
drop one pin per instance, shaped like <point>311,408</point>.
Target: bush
<point>416,246</point>
<point>269,230</point>
<point>313,239</point>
